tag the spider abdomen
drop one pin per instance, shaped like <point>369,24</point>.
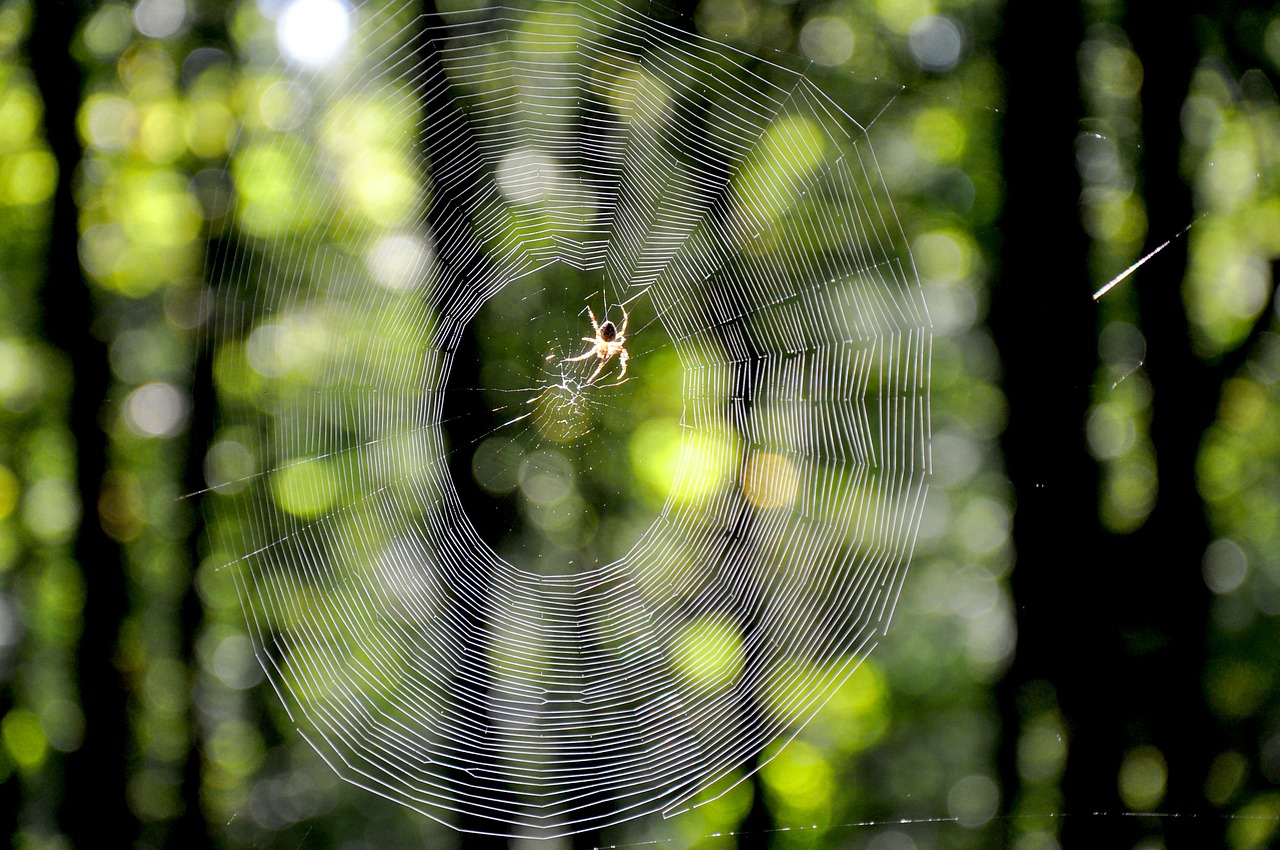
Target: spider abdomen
<point>608,332</point>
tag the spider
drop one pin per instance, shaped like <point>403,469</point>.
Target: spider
<point>608,341</point>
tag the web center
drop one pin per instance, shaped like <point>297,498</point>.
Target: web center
<point>553,401</point>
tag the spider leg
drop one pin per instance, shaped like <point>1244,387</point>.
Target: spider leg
<point>595,327</point>
<point>583,357</point>
<point>623,357</point>
<point>623,330</point>
<point>604,358</point>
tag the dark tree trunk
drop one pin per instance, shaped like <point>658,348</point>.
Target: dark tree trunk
<point>1165,620</point>
<point>95,774</point>
<point>191,830</point>
<point>450,188</point>
<point>1115,623</point>
<point>1044,322</point>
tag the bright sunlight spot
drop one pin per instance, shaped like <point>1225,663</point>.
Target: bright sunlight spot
<point>314,32</point>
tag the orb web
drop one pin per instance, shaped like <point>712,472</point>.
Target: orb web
<point>742,218</point>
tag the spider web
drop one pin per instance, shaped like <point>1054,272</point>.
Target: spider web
<point>742,220</point>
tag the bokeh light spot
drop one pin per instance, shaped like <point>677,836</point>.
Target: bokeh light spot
<point>1142,779</point>
<point>108,31</point>
<point>800,780</point>
<point>708,653</point>
<point>400,261</point>
<point>24,738</point>
<point>156,409</point>
<point>770,481</point>
<point>30,178</point>
<point>160,18</point>
<point>827,40</point>
<point>51,509</point>
<point>108,122</point>
<point>493,466</point>
<point>228,466</point>
<point>1224,565</point>
<point>314,32</point>
<point>973,800</point>
<point>305,488</point>
<point>546,477</point>
<point>936,43</point>
<point>939,136</point>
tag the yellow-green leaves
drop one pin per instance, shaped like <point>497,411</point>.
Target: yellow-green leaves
<point>708,653</point>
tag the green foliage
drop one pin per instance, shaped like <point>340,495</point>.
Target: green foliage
<point>202,141</point>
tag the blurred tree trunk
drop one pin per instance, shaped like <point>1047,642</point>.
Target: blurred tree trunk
<point>191,828</point>
<point>1115,623</point>
<point>95,778</point>
<point>1043,320</point>
<point>450,187</point>
<point>1166,620</point>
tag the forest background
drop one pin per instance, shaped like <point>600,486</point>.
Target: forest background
<point>1087,646</point>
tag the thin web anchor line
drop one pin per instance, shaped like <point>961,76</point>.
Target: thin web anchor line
<point>946,819</point>
<point>1133,268</point>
